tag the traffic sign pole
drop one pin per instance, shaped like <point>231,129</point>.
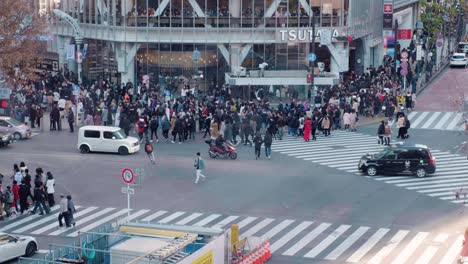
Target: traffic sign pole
<point>128,176</point>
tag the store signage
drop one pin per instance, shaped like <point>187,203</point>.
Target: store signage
<point>404,34</point>
<point>303,34</point>
<point>388,8</point>
<point>387,21</point>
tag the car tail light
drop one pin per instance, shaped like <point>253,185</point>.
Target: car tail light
<point>432,160</point>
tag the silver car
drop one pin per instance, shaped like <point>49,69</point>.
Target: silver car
<point>14,127</point>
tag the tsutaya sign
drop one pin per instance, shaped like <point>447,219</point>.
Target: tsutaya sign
<point>303,35</point>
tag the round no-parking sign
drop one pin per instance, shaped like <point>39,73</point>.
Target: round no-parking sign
<point>127,175</point>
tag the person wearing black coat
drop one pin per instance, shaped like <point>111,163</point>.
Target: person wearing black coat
<point>178,129</point>
<point>154,124</point>
<point>39,198</point>
<point>258,141</point>
<point>381,133</point>
<point>54,119</point>
<point>24,192</point>
<point>314,127</point>
<point>268,139</point>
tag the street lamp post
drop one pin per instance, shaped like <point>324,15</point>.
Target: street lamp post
<point>77,36</point>
<point>78,41</point>
<point>196,58</point>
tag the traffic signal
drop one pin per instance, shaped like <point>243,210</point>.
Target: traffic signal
<point>4,104</point>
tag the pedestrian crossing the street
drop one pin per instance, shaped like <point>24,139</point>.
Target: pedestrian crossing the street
<point>452,121</point>
<point>288,237</point>
<point>342,151</point>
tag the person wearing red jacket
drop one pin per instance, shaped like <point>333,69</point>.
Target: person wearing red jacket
<point>141,128</point>
<point>307,128</point>
<point>15,190</point>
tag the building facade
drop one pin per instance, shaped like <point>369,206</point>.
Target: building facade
<point>214,39</point>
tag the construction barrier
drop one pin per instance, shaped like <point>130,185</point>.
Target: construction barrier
<point>259,255</point>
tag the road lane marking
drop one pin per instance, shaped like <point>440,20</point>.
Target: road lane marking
<point>258,227</point>
<point>443,120</point>
<point>386,250</point>
<point>225,221</point>
<point>153,216</point>
<point>453,252</point>
<point>336,253</point>
<point>99,222</point>
<point>288,236</point>
<point>54,224</point>
<point>80,222</point>
<point>368,245</point>
<point>410,248</point>
<point>25,220</point>
<point>275,230</point>
<point>327,241</point>
<point>188,219</point>
<point>246,221</point>
<point>307,239</point>
<point>430,251</point>
<point>39,222</point>
<point>171,217</point>
<point>207,220</point>
<point>431,120</point>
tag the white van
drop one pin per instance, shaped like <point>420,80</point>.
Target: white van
<point>106,139</point>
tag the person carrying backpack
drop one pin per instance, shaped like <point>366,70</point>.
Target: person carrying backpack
<point>149,152</point>
<point>8,199</point>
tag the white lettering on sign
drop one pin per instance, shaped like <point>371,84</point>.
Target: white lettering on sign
<point>302,34</point>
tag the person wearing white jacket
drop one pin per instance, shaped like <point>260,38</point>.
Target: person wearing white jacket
<point>50,187</point>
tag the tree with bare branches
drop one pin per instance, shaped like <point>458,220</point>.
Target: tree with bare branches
<point>20,29</point>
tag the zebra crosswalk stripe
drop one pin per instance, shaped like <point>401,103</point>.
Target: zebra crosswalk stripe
<point>337,244</point>
<point>452,121</point>
<point>339,152</point>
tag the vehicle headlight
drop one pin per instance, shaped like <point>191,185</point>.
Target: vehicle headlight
<point>135,144</point>
<point>5,138</point>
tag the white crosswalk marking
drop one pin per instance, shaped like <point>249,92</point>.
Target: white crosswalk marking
<point>25,220</point>
<point>134,216</point>
<point>452,253</point>
<point>189,218</point>
<point>153,216</point>
<point>370,243</point>
<point>450,121</point>
<point>225,221</point>
<point>386,250</point>
<point>254,229</point>
<point>410,248</point>
<point>275,230</point>
<point>431,119</point>
<point>207,220</point>
<point>431,250</point>
<point>84,220</point>
<point>327,241</point>
<point>341,241</point>
<point>38,223</point>
<point>171,217</point>
<point>343,153</point>
<point>347,243</point>
<point>307,239</point>
<point>50,226</point>
<point>246,221</point>
<point>290,235</point>
<point>99,222</point>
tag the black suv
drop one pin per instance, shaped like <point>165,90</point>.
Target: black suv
<point>399,159</point>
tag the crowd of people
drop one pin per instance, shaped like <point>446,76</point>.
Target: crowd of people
<point>156,116</point>
<point>26,194</point>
